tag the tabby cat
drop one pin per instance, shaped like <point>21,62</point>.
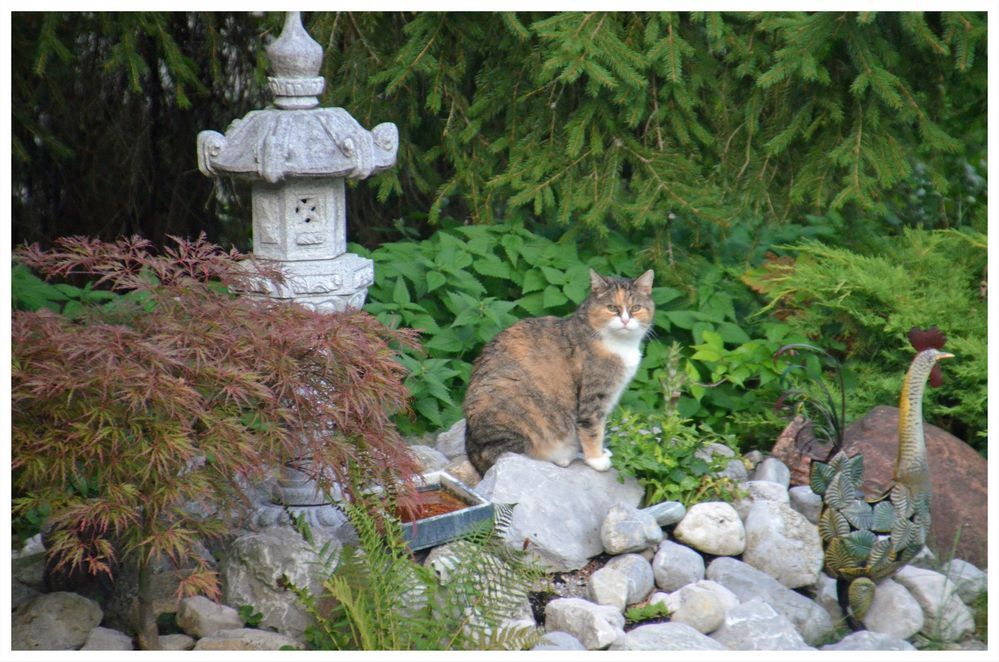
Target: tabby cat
<point>544,386</point>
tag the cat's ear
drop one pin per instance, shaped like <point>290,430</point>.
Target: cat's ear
<point>644,283</point>
<point>597,281</point>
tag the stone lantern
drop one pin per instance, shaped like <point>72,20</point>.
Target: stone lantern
<point>297,156</point>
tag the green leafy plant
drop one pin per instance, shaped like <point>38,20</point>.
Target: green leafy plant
<point>382,599</point>
<point>668,456</point>
<point>250,616</point>
<point>175,393</point>
<point>652,611</point>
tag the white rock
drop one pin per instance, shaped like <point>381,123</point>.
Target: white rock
<point>773,470</point>
<point>451,442</point>
<point>806,502</point>
<point>176,642</point>
<point>638,573</point>
<point>559,641</point>
<point>627,529</point>
<point>254,570</point>
<point>665,637</point>
<point>200,617</point>
<point>714,528</point>
<point>608,587</point>
<point>946,617</point>
<point>667,513</point>
<point>54,621</point>
<point>429,459</point>
<point>969,580</point>
<point>746,582</point>
<point>759,490</point>
<point>559,510</point>
<point>595,626</point>
<point>869,641</point>
<point>245,639</point>
<point>699,608</point>
<point>106,639</point>
<point>736,470</point>
<point>32,546</point>
<point>726,598</point>
<point>755,625</point>
<point>783,544</point>
<point>893,611</point>
<point>676,565</point>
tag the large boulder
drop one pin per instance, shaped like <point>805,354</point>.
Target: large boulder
<point>245,639</point>
<point>255,569</point>
<point>946,617</point>
<point>746,582</point>
<point>869,641</point>
<point>675,566</point>
<point>755,625</point>
<point>712,527</point>
<point>54,621</point>
<point>629,530</point>
<point>783,544</point>
<point>559,511</point>
<point>595,626</point>
<point>894,612</point>
<point>200,617</point>
<point>666,637</point>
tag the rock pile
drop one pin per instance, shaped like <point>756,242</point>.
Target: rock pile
<point>734,576</point>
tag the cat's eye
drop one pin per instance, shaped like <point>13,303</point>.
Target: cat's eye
<point>636,308</point>
<point>614,309</point>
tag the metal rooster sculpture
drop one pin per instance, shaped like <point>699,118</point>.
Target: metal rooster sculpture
<point>868,540</point>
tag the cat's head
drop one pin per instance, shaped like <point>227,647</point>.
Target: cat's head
<point>619,307</point>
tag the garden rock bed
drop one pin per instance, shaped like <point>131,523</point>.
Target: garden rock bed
<point>742,576</point>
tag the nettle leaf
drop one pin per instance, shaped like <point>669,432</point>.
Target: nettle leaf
<point>435,279</point>
<point>492,267</point>
<point>534,281</point>
<point>553,297</point>
<point>400,294</point>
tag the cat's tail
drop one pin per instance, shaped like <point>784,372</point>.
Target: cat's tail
<point>485,441</point>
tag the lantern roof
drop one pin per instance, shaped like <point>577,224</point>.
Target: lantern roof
<point>295,137</point>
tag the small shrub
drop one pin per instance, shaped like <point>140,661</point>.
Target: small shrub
<point>863,304</point>
<point>665,453</point>
<point>174,392</point>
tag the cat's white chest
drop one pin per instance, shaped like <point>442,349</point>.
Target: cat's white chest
<point>627,349</point>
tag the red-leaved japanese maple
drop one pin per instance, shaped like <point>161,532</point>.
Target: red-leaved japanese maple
<point>177,393</point>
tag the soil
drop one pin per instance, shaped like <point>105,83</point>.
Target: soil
<point>431,503</point>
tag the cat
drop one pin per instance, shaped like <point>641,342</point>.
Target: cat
<point>544,386</point>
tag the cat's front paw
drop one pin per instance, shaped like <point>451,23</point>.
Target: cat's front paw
<point>602,463</point>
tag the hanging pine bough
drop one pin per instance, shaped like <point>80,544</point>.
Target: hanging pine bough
<point>605,118</point>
